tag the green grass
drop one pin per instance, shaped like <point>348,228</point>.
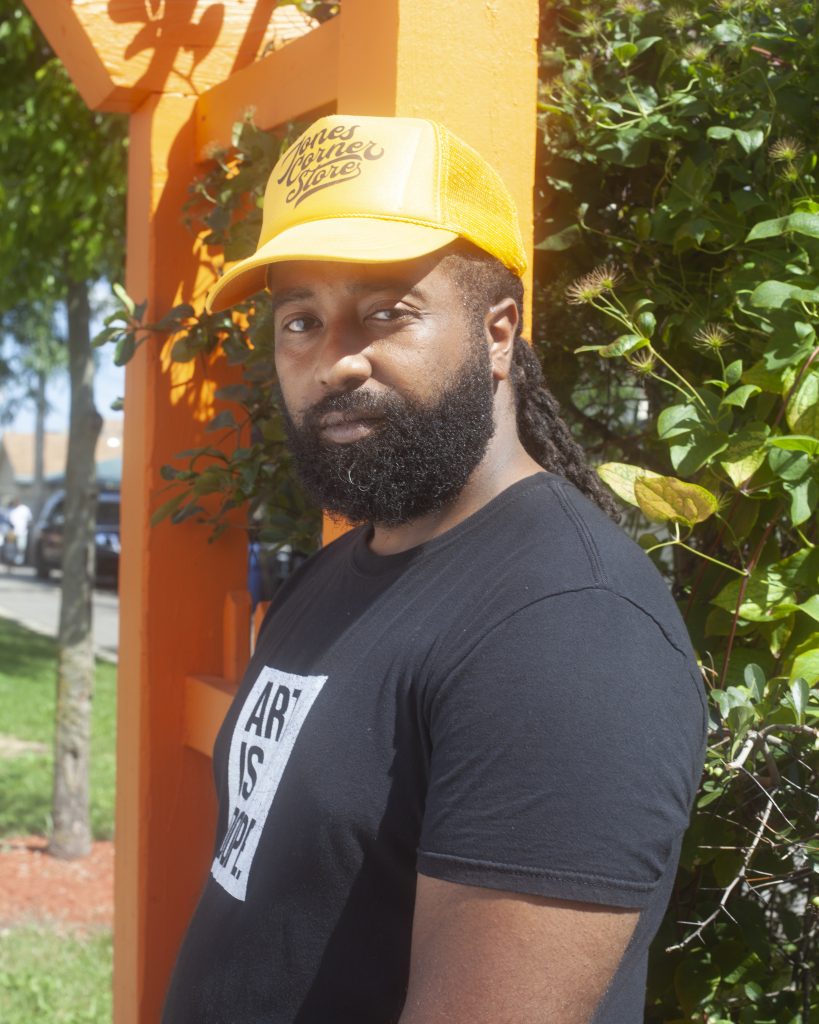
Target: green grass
<point>46,974</point>
<point>27,699</point>
<point>54,978</point>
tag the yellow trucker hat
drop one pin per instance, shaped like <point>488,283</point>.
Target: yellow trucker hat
<point>376,190</point>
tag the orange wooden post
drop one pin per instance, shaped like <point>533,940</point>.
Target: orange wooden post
<point>187,72</point>
<point>173,585</point>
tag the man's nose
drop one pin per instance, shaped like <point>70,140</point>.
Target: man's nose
<point>345,362</point>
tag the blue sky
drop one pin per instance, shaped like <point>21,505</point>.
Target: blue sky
<point>109,384</point>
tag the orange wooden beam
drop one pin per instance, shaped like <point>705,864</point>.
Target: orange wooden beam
<point>121,51</point>
<point>266,89</point>
<point>207,699</point>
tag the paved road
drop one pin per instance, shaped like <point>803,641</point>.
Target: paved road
<point>36,604</point>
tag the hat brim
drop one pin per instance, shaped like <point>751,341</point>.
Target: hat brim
<point>337,240</point>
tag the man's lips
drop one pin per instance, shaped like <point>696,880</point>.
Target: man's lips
<point>343,427</point>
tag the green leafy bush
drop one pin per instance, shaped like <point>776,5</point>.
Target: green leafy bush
<point>678,237</point>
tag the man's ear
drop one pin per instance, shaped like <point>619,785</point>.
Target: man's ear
<point>501,326</point>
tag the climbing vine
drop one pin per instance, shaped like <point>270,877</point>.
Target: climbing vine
<point>678,238</point>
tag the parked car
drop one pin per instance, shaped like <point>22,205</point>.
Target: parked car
<point>47,542</point>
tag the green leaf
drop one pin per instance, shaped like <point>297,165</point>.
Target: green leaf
<point>667,499</point>
<point>804,223</point>
<point>790,466</point>
<point>749,140</point>
<point>745,453</point>
<point>621,477</point>
<point>768,229</point>
<point>739,396</point>
<point>733,372</point>
<point>755,680</point>
<point>124,349</point>
<point>676,420</point>
<point>800,692</point>
<point>696,230</point>
<point>224,420</point>
<point>184,350</point>
<point>800,222</point>
<point>168,508</point>
<point>562,240</point>
<point>173,319</point>
<point>772,294</point>
<point>625,53</point>
<point>766,378</point>
<point>811,606</point>
<point>622,345</point>
<point>806,663</point>
<point>767,597</point>
<point>727,32</point>
<point>719,131</point>
<point>646,42</point>
<point>105,335</point>
<point>802,412</point>
<point>647,322</point>
<point>124,298</point>
<point>796,443</point>
<point>804,495</point>
<point>234,392</point>
<point>690,453</point>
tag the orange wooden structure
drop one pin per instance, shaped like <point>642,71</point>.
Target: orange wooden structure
<point>186,70</point>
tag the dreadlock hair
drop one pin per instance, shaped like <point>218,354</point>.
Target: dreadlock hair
<point>484,281</point>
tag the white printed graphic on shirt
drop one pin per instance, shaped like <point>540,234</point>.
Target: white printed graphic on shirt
<point>266,729</point>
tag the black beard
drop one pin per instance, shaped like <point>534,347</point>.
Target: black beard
<point>417,461</point>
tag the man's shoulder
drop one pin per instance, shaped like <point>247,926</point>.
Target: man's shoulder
<point>543,540</point>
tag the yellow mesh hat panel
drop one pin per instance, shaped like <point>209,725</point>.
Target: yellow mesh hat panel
<point>490,223</point>
<point>376,189</point>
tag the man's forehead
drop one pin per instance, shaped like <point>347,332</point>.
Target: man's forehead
<point>301,279</point>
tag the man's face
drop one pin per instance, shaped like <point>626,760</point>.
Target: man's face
<point>386,384</point>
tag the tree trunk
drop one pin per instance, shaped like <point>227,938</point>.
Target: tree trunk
<point>41,408</point>
<point>71,834</point>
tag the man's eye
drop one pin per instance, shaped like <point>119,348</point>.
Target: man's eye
<point>390,313</point>
<point>298,324</point>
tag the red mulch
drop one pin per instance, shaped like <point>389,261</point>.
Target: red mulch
<point>36,888</point>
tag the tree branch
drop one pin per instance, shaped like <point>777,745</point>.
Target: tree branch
<point>737,880</point>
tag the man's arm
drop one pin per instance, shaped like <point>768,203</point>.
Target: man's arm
<point>483,956</point>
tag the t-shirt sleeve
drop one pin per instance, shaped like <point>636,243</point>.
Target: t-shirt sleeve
<point>566,747</point>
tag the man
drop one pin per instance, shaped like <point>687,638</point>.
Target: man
<point>455,778</point>
<point>20,519</point>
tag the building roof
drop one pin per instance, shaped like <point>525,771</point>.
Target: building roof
<point>18,449</point>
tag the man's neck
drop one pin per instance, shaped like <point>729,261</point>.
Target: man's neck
<point>505,463</point>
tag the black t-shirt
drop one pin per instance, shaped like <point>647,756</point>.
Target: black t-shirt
<point>514,705</point>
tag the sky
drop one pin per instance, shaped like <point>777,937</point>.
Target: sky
<point>109,384</point>
<point>109,381</point>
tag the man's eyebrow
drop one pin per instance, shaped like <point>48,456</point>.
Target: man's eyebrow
<point>282,295</point>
